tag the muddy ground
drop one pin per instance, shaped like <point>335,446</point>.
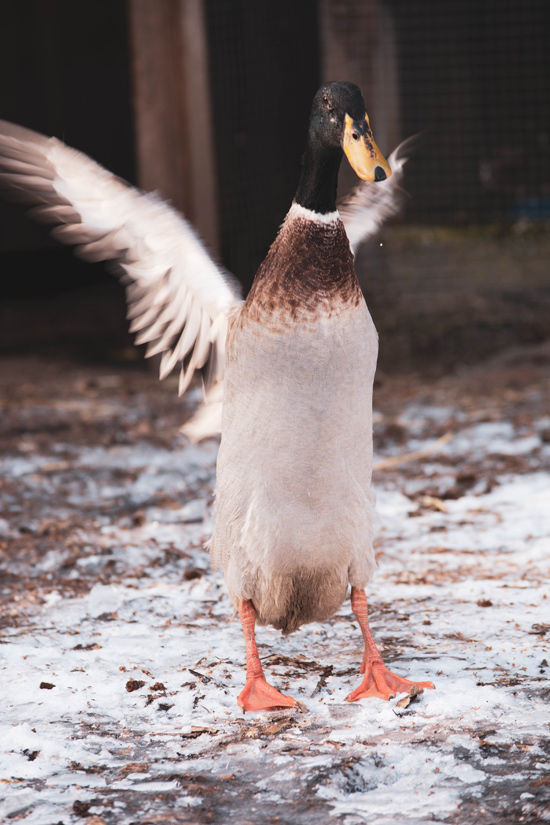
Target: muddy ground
<point>121,661</point>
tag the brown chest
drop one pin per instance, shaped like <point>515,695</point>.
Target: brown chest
<point>308,273</point>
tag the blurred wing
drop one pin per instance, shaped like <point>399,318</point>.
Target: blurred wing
<point>178,297</point>
<point>369,205</point>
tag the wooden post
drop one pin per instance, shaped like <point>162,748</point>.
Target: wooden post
<point>204,190</point>
<point>174,140</point>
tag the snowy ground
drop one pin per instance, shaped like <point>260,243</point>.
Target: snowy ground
<point>122,662</point>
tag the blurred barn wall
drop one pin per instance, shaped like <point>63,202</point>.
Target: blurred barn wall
<point>207,101</point>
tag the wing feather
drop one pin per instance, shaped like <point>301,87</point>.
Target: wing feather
<point>54,214</point>
<point>198,358</point>
<point>184,343</point>
<point>165,327</point>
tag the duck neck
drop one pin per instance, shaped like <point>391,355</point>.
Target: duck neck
<point>319,178</point>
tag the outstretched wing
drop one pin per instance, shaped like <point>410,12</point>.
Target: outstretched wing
<point>178,297</point>
<point>369,205</point>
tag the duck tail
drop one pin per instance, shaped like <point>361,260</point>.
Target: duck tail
<point>302,596</point>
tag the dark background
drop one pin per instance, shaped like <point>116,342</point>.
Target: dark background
<point>473,81</point>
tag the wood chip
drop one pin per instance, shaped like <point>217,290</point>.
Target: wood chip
<point>134,684</point>
<point>433,503</point>
<point>414,693</point>
<point>198,731</point>
<point>135,767</point>
<point>93,646</point>
<point>396,460</point>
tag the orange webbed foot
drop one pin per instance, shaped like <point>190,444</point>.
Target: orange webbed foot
<point>257,694</point>
<point>382,683</point>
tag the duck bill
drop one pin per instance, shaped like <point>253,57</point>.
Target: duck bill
<point>366,159</point>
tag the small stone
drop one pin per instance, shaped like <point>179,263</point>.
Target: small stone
<point>81,808</point>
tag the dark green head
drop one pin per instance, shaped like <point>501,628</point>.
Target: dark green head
<point>338,123</point>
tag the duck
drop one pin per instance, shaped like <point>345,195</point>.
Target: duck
<point>287,373</point>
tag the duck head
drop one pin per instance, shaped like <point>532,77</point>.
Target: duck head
<point>338,124</point>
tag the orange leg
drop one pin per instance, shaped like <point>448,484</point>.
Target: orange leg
<point>378,680</point>
<point>257,694</point>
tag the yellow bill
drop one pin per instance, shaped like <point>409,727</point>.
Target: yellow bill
<point>366,159</point>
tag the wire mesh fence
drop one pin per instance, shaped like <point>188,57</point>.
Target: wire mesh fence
<point>475,82</point>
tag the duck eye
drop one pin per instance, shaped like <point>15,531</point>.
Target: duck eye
<point>355,136</point>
